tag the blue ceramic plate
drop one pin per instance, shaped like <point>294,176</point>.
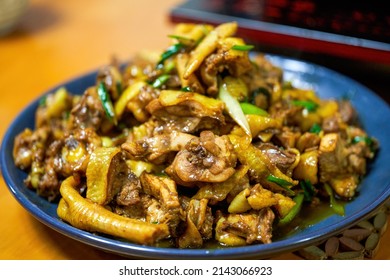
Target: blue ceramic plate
<point>374,189</point>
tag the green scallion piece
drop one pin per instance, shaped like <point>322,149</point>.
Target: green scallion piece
<point>281,183</point>
<point>307,104</point>
<point>172,50</point>
<point>186,89</point>
<point>160,80</point>
<point>182,39</point>
<point>364,139</point>
<point>42,101</point>
<point>308,189</point>
<point>106,102</point>
<point>334,204</point>
<point>250,109</point>
<point>298,199</point>
<point>316,128</point>
<point>242,47</point>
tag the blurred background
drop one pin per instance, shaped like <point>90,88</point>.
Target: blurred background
<point>350,36</point>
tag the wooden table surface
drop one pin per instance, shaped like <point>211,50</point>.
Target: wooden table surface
<point>54,42</point>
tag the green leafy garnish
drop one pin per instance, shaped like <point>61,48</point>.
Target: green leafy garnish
<point>298,199</point>
<point>307,104</point>
<point>160,80</point>
<point>106,102</point>
<point>308,189</point>
<point>242,47</point>
<point>280,182</point>
<point>316,128</point>
<point>172,50</point>
<point>186,89</point>
<point>42,101</point>
<point>250,109</point>
<point>365,139</point>
<point>183,40</point>
<point>334,204</point>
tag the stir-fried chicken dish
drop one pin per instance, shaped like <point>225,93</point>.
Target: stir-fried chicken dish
<point>202,142</point>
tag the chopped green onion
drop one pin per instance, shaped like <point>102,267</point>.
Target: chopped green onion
<point>119,87</point>
<point>250,109</point>
<point>298,199</point>
<point>160,80</point>
<point>182,39</point>
<point>242,47</point>
<point>186,89</point>
<point>106,102</point>
<point>308,104</point>
<point>234,109</point>
<point>280,182</point>
<point>169,67</point>
<point>308,189</point>
<point>364,139</point>
<point>334,204</point>
<point>316,128</point>
<point>42,101</point>
<point>172,50</point>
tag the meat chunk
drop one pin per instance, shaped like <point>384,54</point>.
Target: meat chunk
<point>88,112</point>
<point>235,62</point>
<point>199,224</point>
<point>129,193</point>
<point>158,148</point>
<point>173,105</point>
<point>204,159</point>
<point>246,228</point>
<point>29,147</point>
<point>347,112</point>
<point>164,190</point>
<point>283,159</point>
<point>331,157</point>
<point>308,140</point>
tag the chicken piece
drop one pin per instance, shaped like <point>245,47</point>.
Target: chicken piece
<point>86,215</point>
<point>308,140</point>
<point>188,111</point>
<point>333,124</point>
<point>204,159</point>
<point>208,46</point>
<point>199,224</point>
<point>192,81</point>
<point>163,189</point>
<point>347,112</point>
<point>29,146</point>
<point>129,193</point>
<point>88,112</point>
<point>246,228</point>
<point>331,157</point>
<point>186,104</point>
<point>283,159</point>
<point>216,192</point>
<point>158,148</point>
<point>71,154</point>
<point>287,137</point>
